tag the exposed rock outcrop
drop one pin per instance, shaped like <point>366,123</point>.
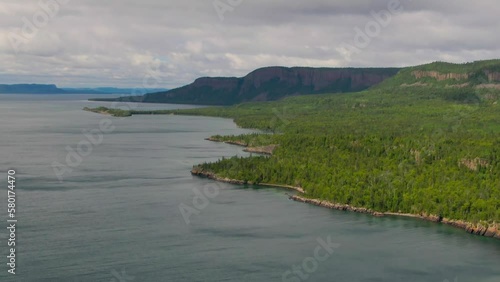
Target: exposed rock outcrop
<point>237,143</point>
<point>265,150</point>
<point>474,164</point>
<point>269,84</point>
<point>488,86</point>
<point>416,84</point>
<point>492,230</point>
<point>493,76</point>
<point>440,76</point>
<point>481,229</point>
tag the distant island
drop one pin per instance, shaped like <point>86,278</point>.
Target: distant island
<point>53,89</point>
<point>112,90</point>
<point>267,84</point>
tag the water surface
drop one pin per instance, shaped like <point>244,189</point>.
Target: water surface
<point>117,216</point>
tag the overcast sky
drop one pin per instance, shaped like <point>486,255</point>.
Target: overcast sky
<point>166,43</point>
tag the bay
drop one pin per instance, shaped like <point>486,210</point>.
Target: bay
<point>129,210</point>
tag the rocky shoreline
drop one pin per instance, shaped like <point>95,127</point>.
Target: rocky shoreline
<point>109,112</point>
<point>476,229</point>
<point>264,150</point>
<point>492,231</point>
<point>237,143</point>
<point>205,174</point>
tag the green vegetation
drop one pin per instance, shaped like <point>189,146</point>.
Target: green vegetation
<point>444,67</point>
<point>250,140</point>
<point>476,72</point>
<point>108,111</point>
<point>426,156</point>
<point>422,150</point>
<point>431,149</point>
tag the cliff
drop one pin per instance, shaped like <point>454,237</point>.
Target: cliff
<point>489,76</point>
<point>440,76</point>
<point>457,82</point>
<point>30,89</point>
<point>481,229</point>
<point>479,74</point>
<point>269,84</point>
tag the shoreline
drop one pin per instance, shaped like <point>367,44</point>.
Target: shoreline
<point>87,109</point>
<point>475,229</point>
<point>204,174</point>
<point>492,231</point>
<point>263,150</point>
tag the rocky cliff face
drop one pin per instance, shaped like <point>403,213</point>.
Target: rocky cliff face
<point>317,78</point>
<point>440,76</point>
<point>487,230</point>
<point>492,76</point>
<point>220,83</point>
<point>273,83</point>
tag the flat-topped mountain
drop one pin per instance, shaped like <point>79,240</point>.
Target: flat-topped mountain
<point>269,84</point>
<point>423,143</point>
<point>30,89</point>
<point>462,82</point>
<point>53,89</point>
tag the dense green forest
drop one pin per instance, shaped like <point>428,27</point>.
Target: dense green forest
<point>427,149</point>
<point>399,152</point>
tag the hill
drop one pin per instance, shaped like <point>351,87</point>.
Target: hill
<point>481,74</point>
<point>468,82</point>
<point>111,90</point>
<point>30,89</point>
<point>414,145</point>
<point>268,84</point>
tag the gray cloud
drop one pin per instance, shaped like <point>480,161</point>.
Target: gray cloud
<point>120,42</point>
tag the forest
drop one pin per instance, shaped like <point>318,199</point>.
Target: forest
<point>426,149</point>
<point>403,152</point>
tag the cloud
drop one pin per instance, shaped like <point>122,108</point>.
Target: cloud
<point>118,42</point>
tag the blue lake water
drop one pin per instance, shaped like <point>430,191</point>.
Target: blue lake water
<point>129,210</point>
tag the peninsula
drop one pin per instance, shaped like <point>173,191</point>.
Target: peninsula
<point>423,143</point>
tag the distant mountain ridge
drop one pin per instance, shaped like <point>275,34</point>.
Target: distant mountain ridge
<point>268,84</point>
<point>53,89</point>
<point>30,89</point>
<point>112,90</point>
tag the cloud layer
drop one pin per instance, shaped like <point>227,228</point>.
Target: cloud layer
<point>126,43</point>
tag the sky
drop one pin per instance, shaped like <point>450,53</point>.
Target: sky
<point>167,43</point>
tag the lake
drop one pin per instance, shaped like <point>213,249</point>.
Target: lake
<point>112,199</point>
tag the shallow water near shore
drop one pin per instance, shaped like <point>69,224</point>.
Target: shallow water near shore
<point>123,213</point>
